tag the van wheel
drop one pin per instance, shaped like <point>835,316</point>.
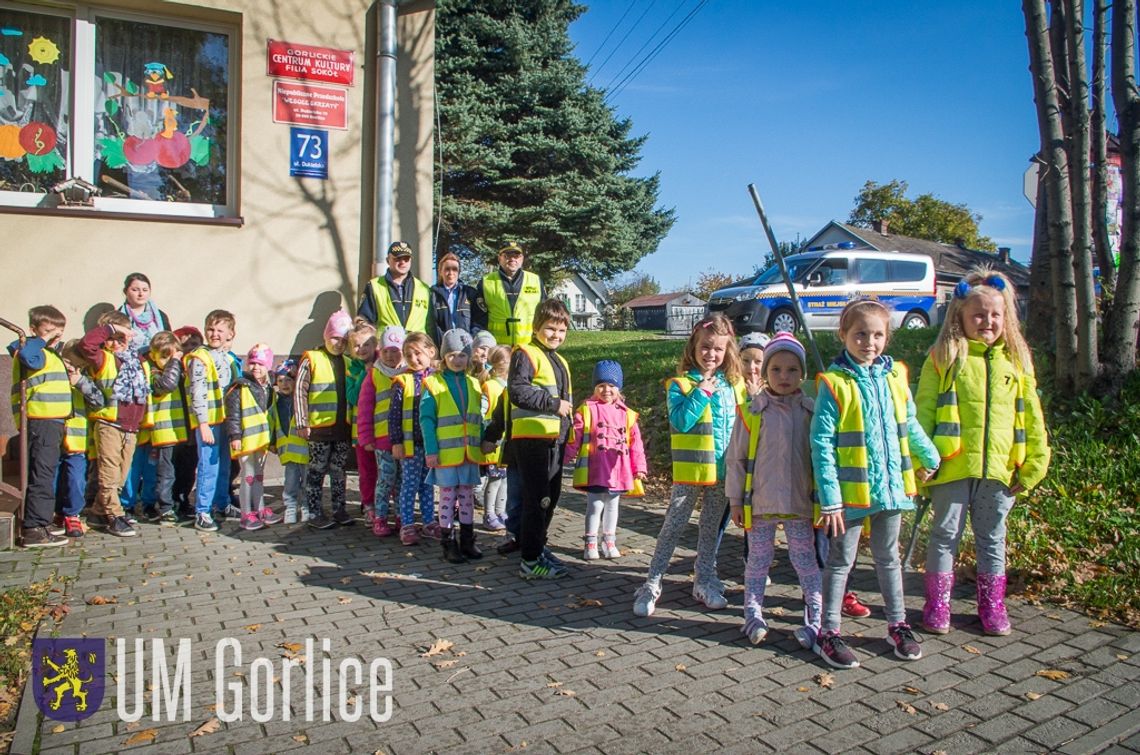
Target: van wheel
<point>783,321</point>
<point>914,320</point>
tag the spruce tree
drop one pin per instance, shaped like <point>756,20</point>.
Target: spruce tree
<point>530,153</point>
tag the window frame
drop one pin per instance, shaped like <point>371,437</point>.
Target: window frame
<point>81,136</point>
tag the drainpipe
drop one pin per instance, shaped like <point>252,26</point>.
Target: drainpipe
<point>385,134</point>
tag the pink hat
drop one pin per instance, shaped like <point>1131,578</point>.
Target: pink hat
<point>260,354</point>
<point>338,325</point>
<point>392,337</point>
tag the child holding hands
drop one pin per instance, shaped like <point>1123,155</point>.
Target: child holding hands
<point>372,426</point>
<point>248,403</point>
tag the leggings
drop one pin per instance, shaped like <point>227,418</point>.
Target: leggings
<point>326,457</point>
<point>988,503</point>
<point>708,534</point>
<point>387,483</point>
<point>843,550</point>
<point>252,483</point>
<point>495,495</point>
<point>366,476</point>
<point>413,472</point>
<point>601,508</point>
<point>801,551</point>
<point>448,496</point>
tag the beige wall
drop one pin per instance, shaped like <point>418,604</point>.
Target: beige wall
<point>303,249</point>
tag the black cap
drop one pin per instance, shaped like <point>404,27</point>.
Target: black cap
<point>400,249</point>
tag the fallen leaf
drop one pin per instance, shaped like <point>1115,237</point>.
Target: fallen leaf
<point>212,708</point>
<point>587,603</point>
<point>1034,695</point>
<point>565,693</point>
<point>971,649</point>
<point>554,684</point>
<point>209,727</point>
<point>602,654</point>
<point>940,706</point>
<point>680,667</point>
<point>301,738</point>
<point>267,572</point>
<point>482,569</point>
<point>1053,616</point>
<point>776,611</point>
<point>437,647</point>
<point>825,680</point>
<point>520,746</point>
<point>99,600</point>
<point>292,647</point>
<point>239,674</point>
<point>344,601</point>
<point>802,689</point>
<point>1097,624</point>
<point>907,707</point>
<point>345,580</point>
<point>1121,657</point>
<point>457,673</point>
<point>912,690</point>
<point>252,627</point>
<point>445,664</point>
<point>461,653</point>
<point>146,736</point>
<point>636,551</point>
<point>1055,674</point>
<point>58,612</point>
<point>58,729</point>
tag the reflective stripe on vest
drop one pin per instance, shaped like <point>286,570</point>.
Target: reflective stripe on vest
<point>168,418</point>
<point>147,421</point>
<point>48,389</point>
<point>527,423</point>
<point>586,446</point>
<point>851,439</point>
<point>105,382</point>
<point>215,408</point>
<point>75,427</point>
<point>948,421</point>
<point>386,311</point>
<point>458,433</point>
<point>322,389</point>
<point>254,423</point>
<point>407,411</point>
<point>492,389</point>
<point>694,452</point>
<point>290,448</point>
<point>511,327</point>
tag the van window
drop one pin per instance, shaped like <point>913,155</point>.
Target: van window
<point>796,270</point>
<point>833,271</point>
<point>904,272</point>
<point>872,271</point>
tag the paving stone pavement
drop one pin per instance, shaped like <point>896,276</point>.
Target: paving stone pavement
<point>559,666</point>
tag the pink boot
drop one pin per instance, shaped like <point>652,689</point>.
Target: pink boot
<point>936,611</point>
<point>991,604</point>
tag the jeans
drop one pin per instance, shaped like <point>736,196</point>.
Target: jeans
<point>71,484</point>
<point>139,487</point>
<point>514,501</point>
<point>45,439</point>
<point>884,549</point>
<point>294,485</point>
<point>213,472</point>
<point>988,503</point>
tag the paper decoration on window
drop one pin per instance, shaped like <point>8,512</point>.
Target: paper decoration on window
<point>37,138</point>
<point>36,81</point>
<point>154,80</point>
<point>167,145</point>
<point>8,31</point>
<point>43,50</point>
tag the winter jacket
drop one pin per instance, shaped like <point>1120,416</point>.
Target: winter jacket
<point>614,463</point>
<point>884,460</point>
<point>987,391</point>
<point>262,394</point>
<point>686,409</point>
<point>781,471</point>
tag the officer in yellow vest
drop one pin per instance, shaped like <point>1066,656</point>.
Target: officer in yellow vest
<point>397,297</point>
<point>507,299</point>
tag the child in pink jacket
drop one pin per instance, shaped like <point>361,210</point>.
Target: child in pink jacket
<point>610,456</point>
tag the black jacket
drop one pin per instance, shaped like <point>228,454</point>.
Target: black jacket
<point>441,313</point>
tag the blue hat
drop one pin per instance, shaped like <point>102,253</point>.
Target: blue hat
<point>608,371</point>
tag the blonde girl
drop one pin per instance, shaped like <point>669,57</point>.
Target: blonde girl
<point>703,399</point>
<point>494,492</point>
<point>361,352</point>
<point>408,441</point>
<point>977,396</point>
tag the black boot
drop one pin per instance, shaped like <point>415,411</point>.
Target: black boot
<point>451,552</point>
<point>467,542</point>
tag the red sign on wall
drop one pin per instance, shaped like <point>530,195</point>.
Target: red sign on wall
<point>290,60</point>
<point>310,105</point>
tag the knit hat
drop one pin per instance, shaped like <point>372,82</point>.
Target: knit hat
<point>260,354</point>
<point>754,341</point>
<point>338,325</point>
<point>393,337</point>
<point>288,368</point>
<point>484,338</point>
<point>456,341</point>
<point>785,342</point>
<point>608,371</point>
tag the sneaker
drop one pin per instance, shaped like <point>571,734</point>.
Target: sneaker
<point>539,569</point>
<point>306,515</point>
<point>291,515</point>
<point>269,516</point>
<point>902,639</point>
<point>409,536</point>
<point>853,608</point>
<point>343,518</point>
<point>758,633</point>
<point>129,515</point>
<point>366,512</point>
<point>57,526</point>
<point>709,595</point>
<point>98,521</point>
<point>251,522</point>
<point>508,546</point>
<point>73,526</point>
<point>121,527</point>
<point>492,523</point>
<point>830,647</point>
<point>380,527</point>
<point>433,530</point>
<point>231,512</point>
<point>167,516</point>
<point>40,537</point>
<point>610,549</point>
<point>806,636</point>
<point>150,513</point>
<point>645,600</point>
<point>319,521</point>
<point>205,523</point>
<point>549,556</point>
<point>554,565</point>
<point>590,552</point>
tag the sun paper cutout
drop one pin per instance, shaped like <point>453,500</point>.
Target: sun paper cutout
<point>43,50</point>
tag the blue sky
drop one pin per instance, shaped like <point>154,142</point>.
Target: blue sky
<point>810,100</point>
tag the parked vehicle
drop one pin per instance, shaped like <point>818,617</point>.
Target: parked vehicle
<point>825,280</point>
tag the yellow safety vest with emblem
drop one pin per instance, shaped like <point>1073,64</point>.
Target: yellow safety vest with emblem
<point>458,432</point>
<point>386,311</point>
<point>105,382</point>
<point>167,418</point>
<point>75,426</point>
<point>511,327</point>
<point>947,435</point>
<point>291,449</point>
<point>527,423</point>
<point>383,385</point>
<point>492,389</point>
<point>254,423</point>
<point>694,452</point>
<point>586,447</point>
<point>322,389</point>
<point>851,440</point>
<point>215,408</point>
<point>48,389</point>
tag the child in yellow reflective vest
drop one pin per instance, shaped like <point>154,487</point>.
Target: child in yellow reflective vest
<point>372,427</point>
<point>248,403</point>
<point>978,398</point>
<point>71,485</point>
<point>406,432</point>
<point>361,353</point>
<point>167,424</point>
<point>494,492</point>
<point>292,452</point>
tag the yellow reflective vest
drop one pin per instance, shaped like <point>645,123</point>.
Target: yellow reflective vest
<point>168,419</point>
<point>49,390</point>
<point>291,449</point>
<point>586,447</point>
<point>386,312</point>
<point>215,408</point>
<point>511,327</point>
<point>105,380</point>
<point>694,452</point>
<point>322,389</point>
<point>254,423</point>
<point>407,383</point>
<point>458,432</point>
<point>75,426</point>
<point>527,423</point>
<point>147,421</point>
<point>383,385</point>
<point>492,389</point>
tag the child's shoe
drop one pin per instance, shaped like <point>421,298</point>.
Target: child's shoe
<point>366,510</point>
<point>205,523</point>
<point>320,521</point>
<point>380,527</point>
<point>756,630</point>
<point>831,648</point>
<point>451,552</point>
<point>150,513</point>
<point>343,518</point>
<point>433,530</point>
<point>991,604</point>
<point>409,536</point>
<point>853,608</point>
<point>72,526</point>
<point>645,599</point>
<point>539,569</point>
<point>306,515</point>
<point>231,512</point>
<point>492,523</point>
<point>251,522</point>
<point>902,639</point>
<point>467,545</point>
<point>269,516</point>
<point>806,636</point>
<point>590,551</point>
<point>936,610</point>
<point>709,594</point>
<point>290,515</point>
<point>121,527</point>
<point>609,547</point>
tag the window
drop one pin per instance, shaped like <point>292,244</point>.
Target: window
<point>144,114</point>
<point>579,303</point>
<point>872,271</point>
<point>833,272</point>
<point>907,272</point>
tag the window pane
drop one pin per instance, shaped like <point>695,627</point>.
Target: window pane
<point>907,271</point>
<point>872,271</point>
<point>35,98</point>
<point>160,125</point>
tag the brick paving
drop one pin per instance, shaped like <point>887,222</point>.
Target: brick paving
<point>543,667</point>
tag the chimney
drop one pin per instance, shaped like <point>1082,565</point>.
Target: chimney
<point>880,226</point>
<point>1003,254</point>
<point>960,242</point>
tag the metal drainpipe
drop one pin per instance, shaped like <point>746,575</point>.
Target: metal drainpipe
<point>385,134</point>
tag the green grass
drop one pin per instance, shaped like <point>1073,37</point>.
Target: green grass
<point>21,609</point>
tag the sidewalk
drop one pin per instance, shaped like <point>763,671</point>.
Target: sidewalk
<point>564,666</point>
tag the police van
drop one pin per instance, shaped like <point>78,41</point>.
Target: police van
<point>825,279</point>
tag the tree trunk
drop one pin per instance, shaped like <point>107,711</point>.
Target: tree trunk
<point>1039,323</point>
<point>1087,364</point>
<point>1100,208</point>
<point>1120,340</point>
<point>1053,151</point>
